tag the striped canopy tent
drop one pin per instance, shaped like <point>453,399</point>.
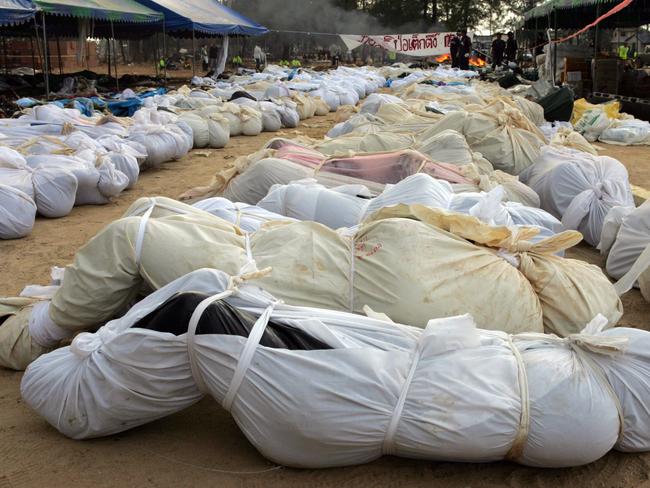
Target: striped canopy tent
<point>573,14</point>
<point>15,12</point>
<point>112,10</point>
<point>203,18</point>
<point>83,18</point>
<point>95,18</point>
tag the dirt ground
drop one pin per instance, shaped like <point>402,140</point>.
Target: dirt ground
<point>202,446</point>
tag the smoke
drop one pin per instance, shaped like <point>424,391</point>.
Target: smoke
<point>318,16</point>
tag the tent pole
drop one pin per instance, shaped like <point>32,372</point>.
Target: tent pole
<point>112,41</point>
<point>554,44</point>
<point>38,46</point>
<point>4,52</point>
<point>156,61</point>
<point>46,61</point>
<point>594,85</point>
<point>108,57</point>
<point>31,41</point>
<point>193,52</point>
<point>165,53</point>
<point>58,54</point>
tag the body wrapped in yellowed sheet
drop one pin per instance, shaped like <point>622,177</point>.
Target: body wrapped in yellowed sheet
<point>411,263</point>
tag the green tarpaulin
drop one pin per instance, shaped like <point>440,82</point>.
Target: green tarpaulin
<point>115,10</point>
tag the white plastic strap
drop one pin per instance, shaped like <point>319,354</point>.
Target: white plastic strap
<point>523,429</point>
<point>247,356</point>
<point>388,446</point>
<point>626,283</point>
<point>351,277</point>
<point>139,241</point>
<point>191,334</point>
<point>238,210</point>
<point>250,266</point>
<point>588,341</point>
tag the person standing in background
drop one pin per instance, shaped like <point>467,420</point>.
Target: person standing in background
<point>464,51</point>
<point>454,48</point>
<point>213,55</point>
<point>335,54</point>
<point>258,55</point>
<point>204,57</point>
<point>511,47</point>
<point>623,51</point>
<point>498,48</point>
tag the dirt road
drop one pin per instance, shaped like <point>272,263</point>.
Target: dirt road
<point>202,446</point>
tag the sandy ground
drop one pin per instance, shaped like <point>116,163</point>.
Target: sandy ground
<point>202,446</point>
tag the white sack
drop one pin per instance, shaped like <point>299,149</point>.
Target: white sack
<point>307,200</point>
<point>579,188</point>
<point>627,132</point>
<point>127,165</point>
<point>450,392</point>
<point>248,218</point>
<point>631,240</point>
<point>55,191</point>
<point>372,104</point>
<point>17,213</point>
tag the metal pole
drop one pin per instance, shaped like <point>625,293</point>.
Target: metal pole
<point>595,70</point>
<point>193,52</point>
<point>117,81</point>
<point>156,61</point>
<point>4,51</point>
<point>38,46</point>
<point>46,60</point>
<point>58,53</point>
<point>165,52</point>
<point>554,44</point>
<point>31,41</point>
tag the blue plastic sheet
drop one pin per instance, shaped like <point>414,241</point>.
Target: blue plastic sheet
<point>87,106</point>
<point>125,108</point>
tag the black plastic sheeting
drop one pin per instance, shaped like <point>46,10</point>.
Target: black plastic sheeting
<point>173,317</point>
<point>242,94</point>
<point>558,105</point>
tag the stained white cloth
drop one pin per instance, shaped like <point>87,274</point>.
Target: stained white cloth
<point>449,392</point>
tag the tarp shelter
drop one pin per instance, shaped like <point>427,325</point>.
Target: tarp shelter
<point>13,12</point>
<point>104,18</point>
<point>574,14</point>
<point>105,14</point>
<point>204,18</point>
<point>113,10</point>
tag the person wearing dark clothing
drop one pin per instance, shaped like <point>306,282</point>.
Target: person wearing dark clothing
<point>498,48</point>
<point>454,48</point>
<point>511,47</point>
<point>213,55</point>
<point>465,51</point>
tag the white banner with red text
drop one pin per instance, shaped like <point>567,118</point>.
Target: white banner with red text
<point>427,44</point>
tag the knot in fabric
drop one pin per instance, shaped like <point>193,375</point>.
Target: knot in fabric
<point>523,246</point>
<point>598,344</point>
<point>86,343</point>
<point>598,190</point>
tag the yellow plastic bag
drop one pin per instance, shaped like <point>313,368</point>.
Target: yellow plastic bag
<point>612,109</point>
